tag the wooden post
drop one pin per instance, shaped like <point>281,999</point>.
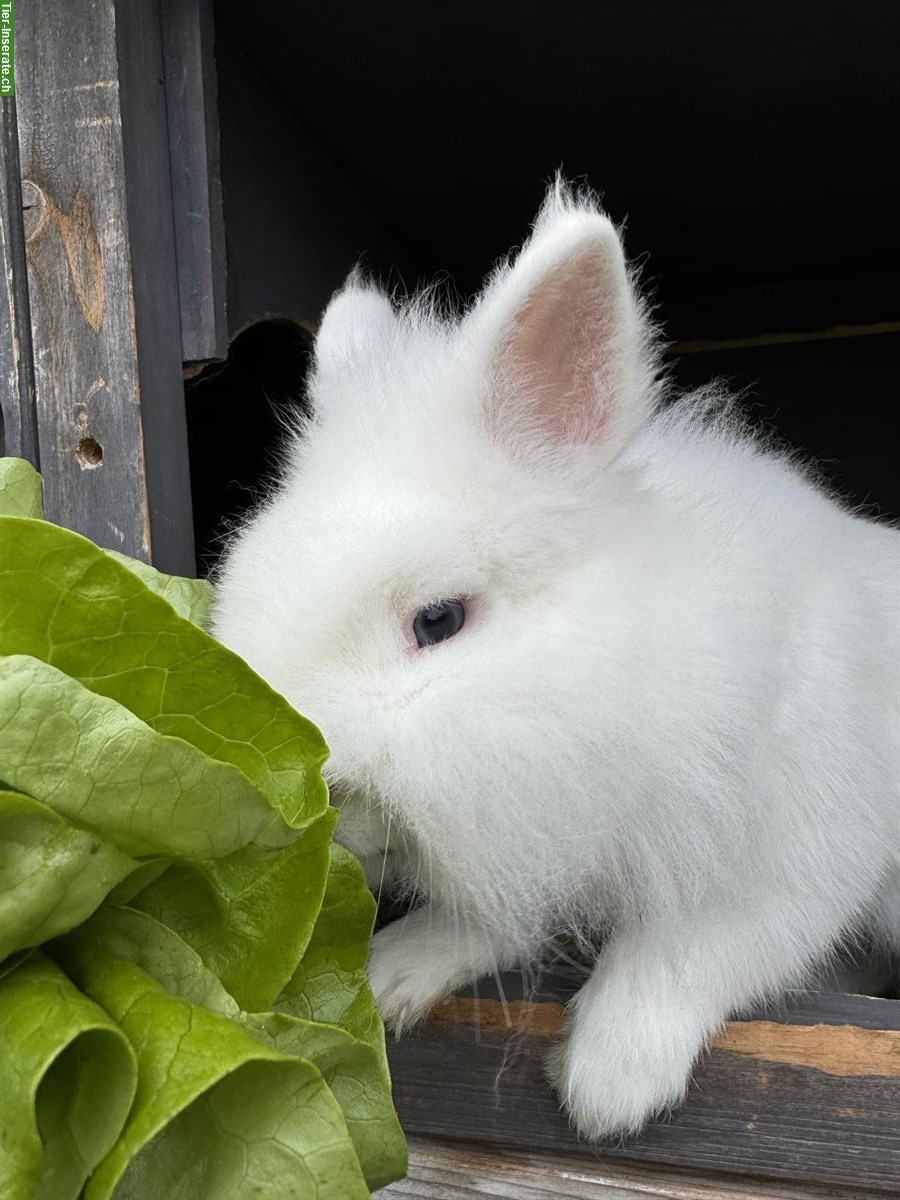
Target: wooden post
<point>191,93</point>
<point>102,276</point>
<point>18,417</point>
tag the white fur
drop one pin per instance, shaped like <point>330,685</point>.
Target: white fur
<point>672,713</point>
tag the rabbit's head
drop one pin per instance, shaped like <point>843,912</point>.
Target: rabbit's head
<point>416,584</point>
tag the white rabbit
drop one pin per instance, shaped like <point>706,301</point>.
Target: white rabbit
<point>584,663</point>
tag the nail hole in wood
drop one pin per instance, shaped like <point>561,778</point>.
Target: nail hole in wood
<point>34,209</point>
<point>89,454</point>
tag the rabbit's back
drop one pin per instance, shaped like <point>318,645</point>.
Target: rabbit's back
<point>803,596</point>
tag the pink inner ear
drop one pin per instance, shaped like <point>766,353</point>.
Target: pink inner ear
<point>555,362</point>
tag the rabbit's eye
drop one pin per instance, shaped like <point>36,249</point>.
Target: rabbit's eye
<point>439,622</point>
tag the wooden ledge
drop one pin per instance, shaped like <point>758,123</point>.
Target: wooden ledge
<point>834,1049</point>
<point>808,1093</point>
<point>441,1170</point>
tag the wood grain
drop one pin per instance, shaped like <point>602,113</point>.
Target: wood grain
<point>835,1049</point>
<point>101,276</point>
<point>193,124</point>
<point>439,1170</point>
<point>541,1020</point>
<point>18,415</point>
<point>814,1100</point>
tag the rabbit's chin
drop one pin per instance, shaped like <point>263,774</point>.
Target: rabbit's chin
<point>366,829</point>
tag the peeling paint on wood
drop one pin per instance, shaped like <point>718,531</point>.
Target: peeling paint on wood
<point>516,1016</point>
<point>834,1049</point>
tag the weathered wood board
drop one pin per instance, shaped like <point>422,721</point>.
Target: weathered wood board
<point>193,125</point>
<point>813,1098</point>
<point>18,417</point>
<point>448,1170</point>
<point>101,276</point>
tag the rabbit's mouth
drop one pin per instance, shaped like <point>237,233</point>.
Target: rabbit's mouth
<point>364,825</point>
<point>370,832</point>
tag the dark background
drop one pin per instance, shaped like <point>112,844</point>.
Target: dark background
<point>751,151</point>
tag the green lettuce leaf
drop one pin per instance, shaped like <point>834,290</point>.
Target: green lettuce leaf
<point>52,875</point>
<point>93,762</point>
<point>355,1075</point>
<point>249,916</point>
<point>351,1069</point>
<point>331,987</point>
<point>331,982</point>
<point>134,936</point>
<point>14,962</point>
<point>69,1078</point>
<point>218,1113</point>
<point>21,494</point>
<point>266,1126</point>
<point>65,601</point>
<point>166,876</point>
<point>191,598</point>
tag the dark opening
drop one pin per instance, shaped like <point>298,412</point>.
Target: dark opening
<point>89,453</point>
<point>238,415</point>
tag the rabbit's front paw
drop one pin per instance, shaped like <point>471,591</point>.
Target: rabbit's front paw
<point>408,974</point>
<point>614,1078</point>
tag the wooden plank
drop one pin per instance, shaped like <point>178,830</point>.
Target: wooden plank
<point>828,1008</point>
<point>816,1100</point>
<point>441,1170</point>
<point>191,93</point>
<point>18,416</point>
<point>836,306</point>
<point>828,334</point>
<point>101,276</point>
<point>559,983</point>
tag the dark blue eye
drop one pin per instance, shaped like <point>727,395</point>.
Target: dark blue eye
<point>439,622</point>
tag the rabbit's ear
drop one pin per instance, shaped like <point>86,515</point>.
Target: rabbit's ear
<point>565,339</point>
<point>358,316</point>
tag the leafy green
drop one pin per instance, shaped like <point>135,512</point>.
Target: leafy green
<point>197,1070</point>
<point>59,1052</point>
<point>107,771</point>
<point>67,602</point>
<point>250,915</point>
<point>331,982</point>
<point>53,874</point>
<point>21,494</point>
<point>127,933</point>
<point>351,1069</point>
<point>191,598</point>
<point>330,986</point>
<point>165,840</point>
<point>354,1074</point>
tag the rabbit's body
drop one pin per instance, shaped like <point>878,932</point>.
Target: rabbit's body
<point>671,715</point>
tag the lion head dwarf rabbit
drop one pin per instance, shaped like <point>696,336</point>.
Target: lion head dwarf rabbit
<point>584,663</point>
